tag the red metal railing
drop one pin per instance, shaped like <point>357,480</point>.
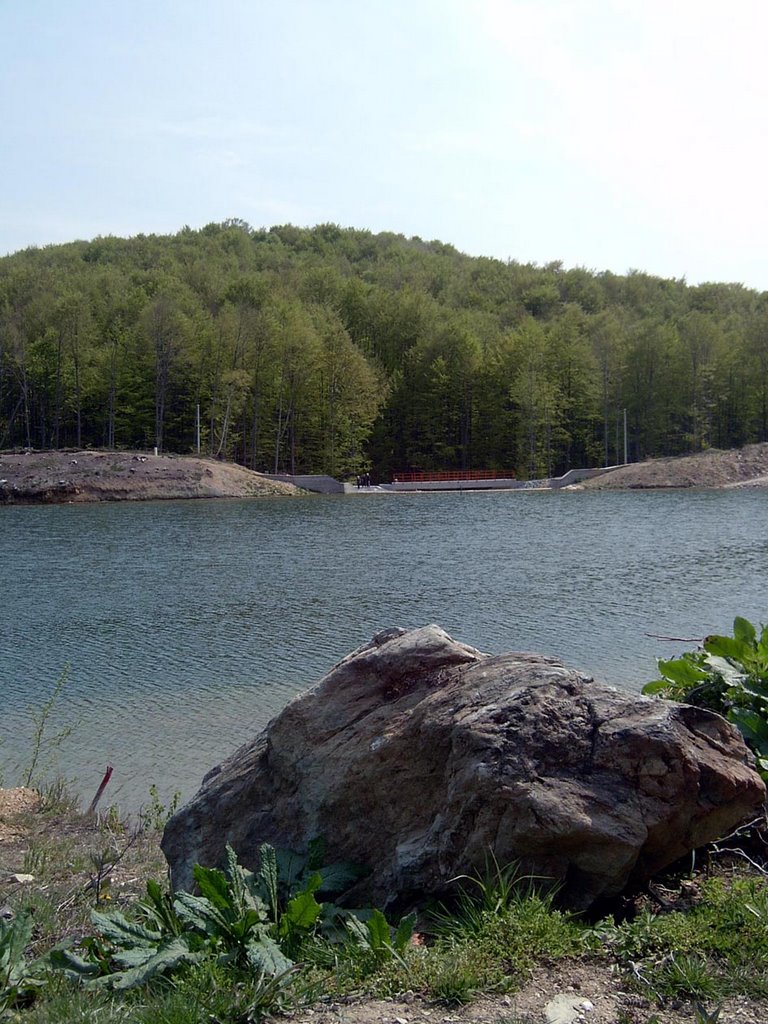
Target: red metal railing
<point>455,474</point>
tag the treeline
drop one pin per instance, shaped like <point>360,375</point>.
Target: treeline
<point>334,350</point>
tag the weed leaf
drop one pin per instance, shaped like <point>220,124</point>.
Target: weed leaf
<point>199,913</point>
<point>302,911</point>
<point>169,954</point>
<point>378,930</point>
<point>265,955</point>
<point>404,932</point>
<point>213,885</point>
<point>118,929</point>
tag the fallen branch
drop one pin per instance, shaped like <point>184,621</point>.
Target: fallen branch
<point>740,853</point>
<point>678,639</point>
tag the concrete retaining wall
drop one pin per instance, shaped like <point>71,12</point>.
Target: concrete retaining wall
<point>328,485</point>
<point>573,476</point>
<point>310,482</point>
<point>452,485</point>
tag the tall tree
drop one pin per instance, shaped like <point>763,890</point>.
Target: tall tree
<point>757,350</point>
<point>162,324</point>
<point>607,335</point>
<point>700,336</point>
<point>537,400</point>
<point>352,391</point>
<point>574,373</point>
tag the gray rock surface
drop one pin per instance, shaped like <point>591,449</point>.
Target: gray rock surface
<point>417,755</point>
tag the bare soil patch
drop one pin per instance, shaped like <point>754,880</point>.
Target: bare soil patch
<point>596,994</point>
<point>53,857</point>
<point>14,805</point>
<point>80,476</point>
<point>739,467</point>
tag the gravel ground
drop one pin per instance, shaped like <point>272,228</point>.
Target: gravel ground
<point>566,993</point>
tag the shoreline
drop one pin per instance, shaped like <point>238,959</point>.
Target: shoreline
<point>76,476</point>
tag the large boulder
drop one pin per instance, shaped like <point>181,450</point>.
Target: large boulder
<point>417,756</point>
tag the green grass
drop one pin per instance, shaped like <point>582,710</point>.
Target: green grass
<point>718,947</point>
<point>496,931</point>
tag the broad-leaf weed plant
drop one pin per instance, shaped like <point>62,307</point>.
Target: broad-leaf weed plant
<point>728,675</point>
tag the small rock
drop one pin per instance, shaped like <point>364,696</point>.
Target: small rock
<point>20,879</point>
<point>564,1009</point>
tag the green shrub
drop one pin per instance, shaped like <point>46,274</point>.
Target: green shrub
<point>730,676</point>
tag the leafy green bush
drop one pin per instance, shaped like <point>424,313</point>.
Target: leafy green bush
<point>730,676</point>
<point>156,816</point>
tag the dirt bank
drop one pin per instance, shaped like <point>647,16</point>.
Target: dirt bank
<point>78,476</point>
<point>739,467</point>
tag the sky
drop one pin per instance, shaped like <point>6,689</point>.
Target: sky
<point>607,134</point>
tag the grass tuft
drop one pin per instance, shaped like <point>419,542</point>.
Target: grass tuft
<point>488,941</point>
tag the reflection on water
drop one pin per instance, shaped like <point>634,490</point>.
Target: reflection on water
<point>187,625</point>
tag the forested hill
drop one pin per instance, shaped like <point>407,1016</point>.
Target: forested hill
<point>333,350</point>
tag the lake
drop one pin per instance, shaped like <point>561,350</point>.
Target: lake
<point>186,626</point>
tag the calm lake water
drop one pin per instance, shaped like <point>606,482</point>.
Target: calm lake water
<point>186,626</point>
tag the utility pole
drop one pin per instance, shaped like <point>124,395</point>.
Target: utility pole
<point>625,437</point>
<point>197,427</point>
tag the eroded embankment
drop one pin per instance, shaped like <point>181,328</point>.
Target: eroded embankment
<point>82,476</point>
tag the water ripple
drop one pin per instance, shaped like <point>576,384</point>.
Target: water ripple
<point>186,626</point>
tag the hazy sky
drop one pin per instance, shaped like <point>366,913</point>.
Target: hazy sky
<point>610,134</point>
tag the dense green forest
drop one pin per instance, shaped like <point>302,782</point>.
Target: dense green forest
<point>335,350</point>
